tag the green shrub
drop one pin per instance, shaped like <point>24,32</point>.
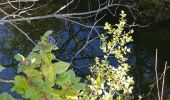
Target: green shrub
<point>106,81</point>
<point>40,79</point>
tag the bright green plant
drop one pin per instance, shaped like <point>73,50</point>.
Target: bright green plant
<point>40,79</point>
<point>108,82</point>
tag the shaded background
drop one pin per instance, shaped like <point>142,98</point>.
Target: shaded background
<point>72,37</point>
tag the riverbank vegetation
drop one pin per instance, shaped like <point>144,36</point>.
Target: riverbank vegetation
<point>39,78</point>
<point>93,51</point>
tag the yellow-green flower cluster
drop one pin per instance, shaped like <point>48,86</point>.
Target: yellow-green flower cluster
<point>112,82</point>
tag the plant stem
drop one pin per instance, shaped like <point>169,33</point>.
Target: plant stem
<point>163,81</point>
<point>156,65</point>
<point>6,81</point>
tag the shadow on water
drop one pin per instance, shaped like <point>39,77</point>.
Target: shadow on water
<point>147,40</point>
<point>72,38</point>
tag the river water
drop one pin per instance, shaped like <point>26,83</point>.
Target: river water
<point>72,37</point>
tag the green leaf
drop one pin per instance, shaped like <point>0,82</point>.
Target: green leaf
<point>37,48</point>
<point>76,80</point>
<point>47,88</point>
<point>32,73</point>
<point>19,57</point>
<point>38,82</point>
<point>61,67</point>
<point>51,56</point>
<point>33,94</point>
<point>78,86</point>
<point>47,33</point>
<point>21,68</point>
<point>63,78</point>
<point>1,68</point>
<point>20,84</point>
<point>48,49</point>
<point>34,56</point>
<point>49,74</point>
<point>54,97</point>
<point>6,96</point>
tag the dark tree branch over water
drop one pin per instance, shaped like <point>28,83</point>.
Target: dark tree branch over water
<point>17,12</point>
<point>21,12</point>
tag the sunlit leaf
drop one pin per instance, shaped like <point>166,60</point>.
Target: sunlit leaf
<point>49,74</point>
<point>47,88</point>
<point>63,78</point>
<point>37,82</point>
<point>61,67</point>
<point>32,73</point>
<point>37,48</point>
<point>71,92</point>
<point>76,80</point>
<point>47,33</point>
<point>54,97</point>
<point>6,96</point>
<point>19,57</point>
<point>33,93</point>
<point>1,68</point>
<point>51,56</point>
<point>79,86</point>
<point>20,84</point>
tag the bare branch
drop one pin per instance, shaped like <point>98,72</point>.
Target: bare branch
<point>156,65</point>
<point>6,81</point>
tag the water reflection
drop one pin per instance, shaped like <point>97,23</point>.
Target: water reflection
<point>6,38</point>
<point>146,41</point>
<point>7,41</point>
<point>72,39</point>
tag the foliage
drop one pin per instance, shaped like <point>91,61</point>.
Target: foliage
<point>6,96</point>
<point>39,78</point>
<point>106,81</point>
<point>1,68</point>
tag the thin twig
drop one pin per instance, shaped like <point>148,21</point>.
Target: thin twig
<point>156,65</point>
<point>23,32</point>
<point>6,81</point>
<point>163,81</point>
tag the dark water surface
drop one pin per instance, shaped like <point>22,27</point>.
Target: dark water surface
<point>73,37</point>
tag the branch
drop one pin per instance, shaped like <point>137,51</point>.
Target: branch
<point>6,81</point>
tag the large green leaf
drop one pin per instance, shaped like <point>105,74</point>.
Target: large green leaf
<point>61,67</point>
<point>6,96</point>
<point>20,84</point>
<point>32,73</point>
<point>69,75</point>
<point>63,78</point>
<point>76,80</point>
<point>1,68</point>
<point>37,48</point>
<point>19,57</point>
<point>33,93</point>
<point>78,86</point>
